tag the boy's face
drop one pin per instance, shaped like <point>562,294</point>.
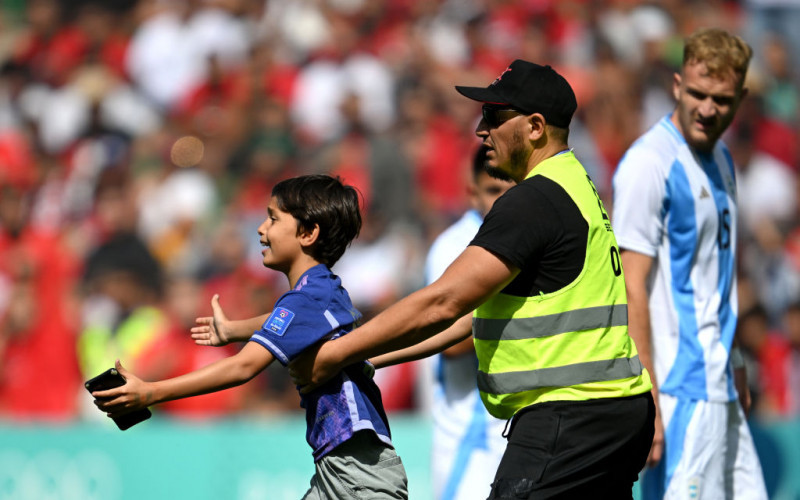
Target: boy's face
<point>279,235</point>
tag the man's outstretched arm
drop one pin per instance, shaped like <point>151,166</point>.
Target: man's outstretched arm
<point>455,335</point>
<point>473,277</point>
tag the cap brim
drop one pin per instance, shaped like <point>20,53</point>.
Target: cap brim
<point>482,94</point>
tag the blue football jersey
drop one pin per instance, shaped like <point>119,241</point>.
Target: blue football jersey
<point>319,309</point>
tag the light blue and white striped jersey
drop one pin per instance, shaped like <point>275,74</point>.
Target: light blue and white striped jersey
<point>679,207</point>
<point>467,441</point>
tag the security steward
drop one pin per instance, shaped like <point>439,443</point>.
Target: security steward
<point>544,277</point>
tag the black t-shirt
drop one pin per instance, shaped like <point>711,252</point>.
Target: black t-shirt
<point>538,228</point>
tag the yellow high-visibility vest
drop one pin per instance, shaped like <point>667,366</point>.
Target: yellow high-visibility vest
<point>99,347</point>
<point>567,345</point>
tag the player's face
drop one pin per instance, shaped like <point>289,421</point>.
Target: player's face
<point>706,104</point>
<point>279,237</point>
<point>503,134</point>
<point>486,191</point>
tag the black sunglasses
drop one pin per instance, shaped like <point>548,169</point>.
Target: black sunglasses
<point>494,116</point>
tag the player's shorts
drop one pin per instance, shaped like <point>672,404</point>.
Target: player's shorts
<point>464,459</point>
<point>361,468</point>
<point>708,454</point>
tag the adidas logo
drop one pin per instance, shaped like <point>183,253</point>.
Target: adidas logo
<point>704,193</point>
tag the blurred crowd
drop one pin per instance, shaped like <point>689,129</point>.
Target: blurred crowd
<point>140,140</point>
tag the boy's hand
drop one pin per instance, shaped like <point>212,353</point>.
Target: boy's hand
<point>134,395</point>
<point>212,330</point>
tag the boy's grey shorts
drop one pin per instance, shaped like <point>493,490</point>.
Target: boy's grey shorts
<point>360,468</point>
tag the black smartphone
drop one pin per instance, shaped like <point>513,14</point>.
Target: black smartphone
<point>108,380</point>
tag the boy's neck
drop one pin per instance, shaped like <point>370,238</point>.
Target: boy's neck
<point>299,268</point>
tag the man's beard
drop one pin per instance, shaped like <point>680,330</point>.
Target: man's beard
<point>517,161</point>
<point>498,173</point>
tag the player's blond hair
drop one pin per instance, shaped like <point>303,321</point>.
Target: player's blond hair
<point>721,52</point>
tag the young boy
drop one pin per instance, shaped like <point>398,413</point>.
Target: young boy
<point>310,221</point>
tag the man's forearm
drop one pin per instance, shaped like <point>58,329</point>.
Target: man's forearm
<point>639,331</point>
<point>407,323</point>
<point>456,333</point>
<point>473,277</point>
<point>637,268</point>
<point>740,376</point>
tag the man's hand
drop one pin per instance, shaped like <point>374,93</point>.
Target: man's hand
<point>657,448</point>
<point>313,367</point>
<point>216,330</point>
<point>134,395</point>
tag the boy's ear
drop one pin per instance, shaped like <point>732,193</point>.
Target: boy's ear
<point>308,237</point>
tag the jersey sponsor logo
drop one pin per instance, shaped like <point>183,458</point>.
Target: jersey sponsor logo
<point>278,321</point>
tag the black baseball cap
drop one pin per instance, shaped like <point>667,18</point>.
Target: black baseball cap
<point>530,88</point>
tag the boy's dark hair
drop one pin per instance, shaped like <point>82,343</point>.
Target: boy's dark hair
<point>325,201</point>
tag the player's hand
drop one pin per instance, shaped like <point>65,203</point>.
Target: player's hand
<point>212,330</point>
<point>313,367</point>
<point>134,395</point>
<point>657,448</point>
<point>743,389</point>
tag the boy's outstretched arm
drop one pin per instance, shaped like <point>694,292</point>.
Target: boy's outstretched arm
<point>218,330</point>
<point>457,332</point>
<point>473,277</point>
<point>229,372</point>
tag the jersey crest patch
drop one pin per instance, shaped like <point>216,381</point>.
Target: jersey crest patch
<point>278,321</point>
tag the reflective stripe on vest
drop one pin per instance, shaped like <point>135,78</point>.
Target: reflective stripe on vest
<point>551,324</point>
<point>560,376</point>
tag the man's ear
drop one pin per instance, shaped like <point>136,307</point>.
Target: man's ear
<point>676,86</point>
<point>308,237</point>
<point>536,122</point>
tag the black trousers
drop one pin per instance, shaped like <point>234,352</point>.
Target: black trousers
<point>583,450</point>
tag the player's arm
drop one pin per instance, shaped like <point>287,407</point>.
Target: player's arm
<point>229,372</point>
<point>637,268</point>
<point>454,337</point>
<point>740,377</point>
<point>218,330</point>
<point>472,278</point>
